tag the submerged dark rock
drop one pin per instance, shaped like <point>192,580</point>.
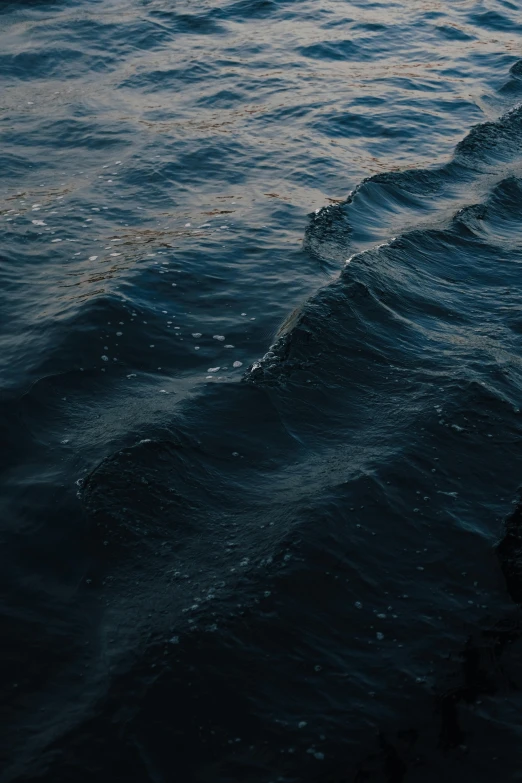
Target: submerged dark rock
<point>509,551</point>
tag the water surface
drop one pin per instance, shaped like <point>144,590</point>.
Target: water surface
<point>261,377</point>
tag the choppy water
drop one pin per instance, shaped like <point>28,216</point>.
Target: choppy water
<point>261,377</point>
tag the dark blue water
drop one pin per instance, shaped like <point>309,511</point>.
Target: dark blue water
<point>261,379</point>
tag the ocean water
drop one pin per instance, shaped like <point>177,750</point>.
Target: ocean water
<point>261,380</point>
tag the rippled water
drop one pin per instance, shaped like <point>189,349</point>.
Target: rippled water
<point>261,377</point>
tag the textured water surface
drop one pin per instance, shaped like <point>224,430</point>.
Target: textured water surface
<point>261,382</point>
